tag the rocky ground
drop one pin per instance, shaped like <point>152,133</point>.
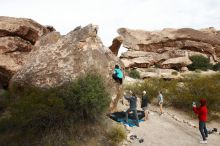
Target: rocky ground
<point>173,128</point>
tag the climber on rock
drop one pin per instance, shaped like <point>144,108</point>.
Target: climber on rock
<point>118,74</point>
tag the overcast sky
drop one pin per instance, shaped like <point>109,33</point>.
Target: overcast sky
<point>110,15</point>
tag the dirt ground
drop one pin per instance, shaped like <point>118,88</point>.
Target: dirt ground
<point>164,130</point>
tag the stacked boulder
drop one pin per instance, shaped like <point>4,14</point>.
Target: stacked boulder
<point>17,38</point>
<point>169,48</point>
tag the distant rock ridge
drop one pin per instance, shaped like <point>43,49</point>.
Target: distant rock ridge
<point>168,48</point>
<point>17,38</point>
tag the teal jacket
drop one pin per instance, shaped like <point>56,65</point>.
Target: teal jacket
<point>118,72</point>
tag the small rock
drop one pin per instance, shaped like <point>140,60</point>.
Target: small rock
<point>141,140</point>
<point>178,119</point>
<point>125,143</point>
<point>191,124</point>
<point>128,128</point>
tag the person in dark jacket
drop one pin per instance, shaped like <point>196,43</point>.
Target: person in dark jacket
<point>133,107</point>
<point>144,104</point>
<point>202,113</point>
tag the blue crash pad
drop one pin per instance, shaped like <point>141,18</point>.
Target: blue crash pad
<point>120,117</point>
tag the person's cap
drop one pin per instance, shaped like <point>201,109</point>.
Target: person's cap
<point>203,101</point>
<point>144,92</point>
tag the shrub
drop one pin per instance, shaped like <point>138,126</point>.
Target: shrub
<point>116,134</point>
<point>192,89</point>
<point>199,62</point>
<point>151,86</point>
<point>216,67</point>
<point>198,70</point>
<point>4,97</point>
<point>86,97</point>
<point>133,74</point>
<point>36,111</point>
<point>175,73</point>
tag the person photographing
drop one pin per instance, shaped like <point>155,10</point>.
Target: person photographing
<point>202,113</point>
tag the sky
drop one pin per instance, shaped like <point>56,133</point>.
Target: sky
<point>110,15</point>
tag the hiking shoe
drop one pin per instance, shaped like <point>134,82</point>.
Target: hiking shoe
<point>203,142</point>
<point>132,137</point>
<point>215,130</point>
<point>201,139</point>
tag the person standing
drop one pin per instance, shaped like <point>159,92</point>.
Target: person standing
<point>144,105</point>
<point>160,101</point>
<point>202,113</point>
<point>133,107</point>
<point>118,74</point>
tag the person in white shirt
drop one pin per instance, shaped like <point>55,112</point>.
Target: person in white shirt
<point>160,101</point>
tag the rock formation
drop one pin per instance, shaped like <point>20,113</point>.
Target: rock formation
<point>69,56</point>
<point>169,48</point>
<point>116,43</point>
<point>17,39</point>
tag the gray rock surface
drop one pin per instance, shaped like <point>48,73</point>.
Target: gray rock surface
<point>66,58</point>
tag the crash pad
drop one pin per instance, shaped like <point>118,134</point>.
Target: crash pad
<point>120,117</point>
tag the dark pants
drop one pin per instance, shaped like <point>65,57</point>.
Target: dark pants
<point>119,80</point>
<point>203,130</point>
<point>135,114</point>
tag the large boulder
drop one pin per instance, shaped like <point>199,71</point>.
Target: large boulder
<point>17,39</point>
<point>26,29</point>
<point>72,55</point>
<point>169,47</point>
<point>116,44</point>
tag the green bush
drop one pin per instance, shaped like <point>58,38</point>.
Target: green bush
<point>86,97</point>
<point>198,70</point>
<point>181,94</point>
<point>175,73</point>
<point>199,62</point>
<point>4,97</point>
<point>36,111</point>
<point>216,67</point>
<point>116,135</point>
<point>133,73</point>
<point>151,86</point>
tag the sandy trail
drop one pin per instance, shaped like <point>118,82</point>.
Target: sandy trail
<point>166,131</point>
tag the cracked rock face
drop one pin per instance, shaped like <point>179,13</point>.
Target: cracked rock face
<point>170,48</point>
<point>17,39</point>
